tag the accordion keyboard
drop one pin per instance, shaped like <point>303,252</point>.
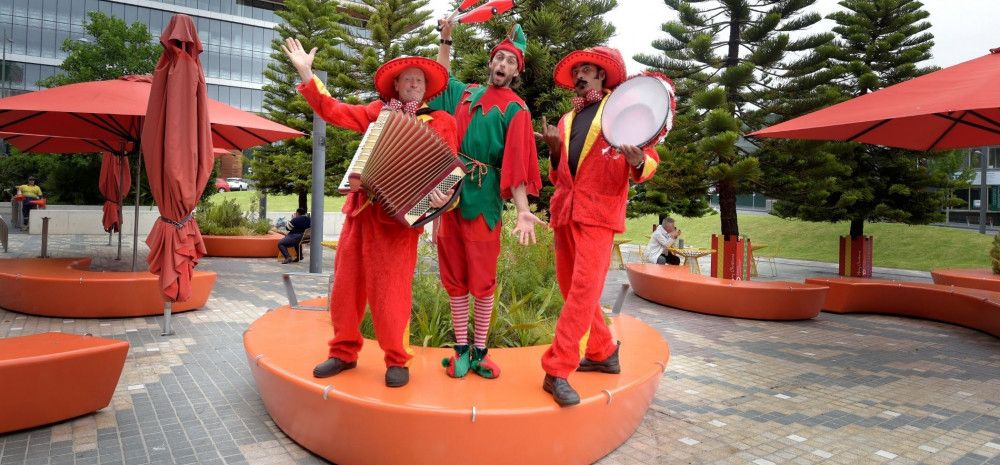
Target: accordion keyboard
<point>424,204</point>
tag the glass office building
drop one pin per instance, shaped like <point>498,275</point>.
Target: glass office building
<point>236,34</point>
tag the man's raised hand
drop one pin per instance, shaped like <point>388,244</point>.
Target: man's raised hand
<point>301,60</point>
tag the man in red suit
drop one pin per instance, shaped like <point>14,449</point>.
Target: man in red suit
<point>588,209</point>
<point>376,254</point>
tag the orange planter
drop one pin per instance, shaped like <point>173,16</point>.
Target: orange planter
<point>45,378</point>
<point>352,418</point>
<point>973,278</point>
<point>242,246</point>
<point>676,287</point>
<point>972,308</point>
<point>65,287</point>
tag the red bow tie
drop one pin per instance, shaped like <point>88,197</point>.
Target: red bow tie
<point>408,107</point>
<point>593,96</point>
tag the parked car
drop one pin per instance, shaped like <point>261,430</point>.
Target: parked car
<point>221,185</point>
<point>237,184</point>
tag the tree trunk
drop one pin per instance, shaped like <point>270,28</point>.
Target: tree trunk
<point>303,201</point>
<point>727,209</point>
<point>857,228</point>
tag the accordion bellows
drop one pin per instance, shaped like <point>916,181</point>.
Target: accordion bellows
<point>399,161</point>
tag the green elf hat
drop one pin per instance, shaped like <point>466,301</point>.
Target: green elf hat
<point>515,42</point>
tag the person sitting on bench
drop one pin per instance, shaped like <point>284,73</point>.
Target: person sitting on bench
<point>296,228</point>
<point>31,192</point>
<point>664,237</point>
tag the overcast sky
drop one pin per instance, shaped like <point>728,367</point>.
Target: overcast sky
<point>963,29</point>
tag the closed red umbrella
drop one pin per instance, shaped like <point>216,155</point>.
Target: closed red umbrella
<point>115,182</point>
<point>177,149</point>
<point>955,107</point>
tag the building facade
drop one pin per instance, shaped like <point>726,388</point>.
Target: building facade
<point>968,214</point>
<point>236,34</point>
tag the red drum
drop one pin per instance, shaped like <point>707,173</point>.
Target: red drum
<point>640,111</point>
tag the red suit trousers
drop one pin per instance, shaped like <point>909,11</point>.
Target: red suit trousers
<point>467,255</point>
<point>376,257</point>
<point>583,254</point>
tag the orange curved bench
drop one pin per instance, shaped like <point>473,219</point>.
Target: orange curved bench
<point>65,287</point>
<point>352,418</point>
<point>242,246</point>
<point>675,286</point>
<point>972,308</point>
<point>973,278</point>
<point>49,377</point>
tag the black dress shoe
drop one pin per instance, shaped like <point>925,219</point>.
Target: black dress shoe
<point>561,391</point>
<point>286,261</point>
<point>332,366</point>
<point>397,376</point>
<point>608,365</point>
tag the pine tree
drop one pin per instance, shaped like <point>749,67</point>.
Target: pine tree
<point>394,28</point>
<point>680,184</point>
<point>879,43</point>
<point>554,28</point>
<point>729,58</point>
<point>286,168</point>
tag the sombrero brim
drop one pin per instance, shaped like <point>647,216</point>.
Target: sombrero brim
<point>563,74</point>
<point>435,75</point>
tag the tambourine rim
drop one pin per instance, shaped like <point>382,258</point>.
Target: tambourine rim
<point>664,85</point>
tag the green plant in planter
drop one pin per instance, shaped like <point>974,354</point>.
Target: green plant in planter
<point>995,254</point>
<point>227,219</point>
<point>527,300</point>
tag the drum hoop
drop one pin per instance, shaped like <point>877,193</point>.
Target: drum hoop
<point>667,122</point>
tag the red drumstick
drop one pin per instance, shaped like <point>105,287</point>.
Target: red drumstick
<point>486,11</point>
<point>478,15</point>
<point>502,6</point>
<point>466,4</point>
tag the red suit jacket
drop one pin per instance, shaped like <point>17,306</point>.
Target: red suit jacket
<point>599,192</point>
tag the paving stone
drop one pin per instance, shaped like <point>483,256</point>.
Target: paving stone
<point>735,391</point>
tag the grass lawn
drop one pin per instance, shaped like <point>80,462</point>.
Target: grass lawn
<point>277,203</point>
<point>896,245</point>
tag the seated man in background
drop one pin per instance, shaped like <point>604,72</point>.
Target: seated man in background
<point>31,192</point>
<point>296,228</point>
<point>664,237</point>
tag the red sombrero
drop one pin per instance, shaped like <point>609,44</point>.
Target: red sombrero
<point>435,74</point>
<point>609,59</point>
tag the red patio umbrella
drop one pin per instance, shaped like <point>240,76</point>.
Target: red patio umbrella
<point>114,184</point>
<point>107,116</point>
<point>177,149</point>
<point>956,107</point>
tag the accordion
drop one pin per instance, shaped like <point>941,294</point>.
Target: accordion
<point>399,161</point>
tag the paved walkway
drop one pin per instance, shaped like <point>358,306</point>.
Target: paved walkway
<point>842,389</point>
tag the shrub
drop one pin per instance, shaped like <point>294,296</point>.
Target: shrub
<point>227,219</point>
<point>527,299</point>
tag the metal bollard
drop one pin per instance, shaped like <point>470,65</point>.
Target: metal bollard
<point>45,237</point>
<point>167,309</point>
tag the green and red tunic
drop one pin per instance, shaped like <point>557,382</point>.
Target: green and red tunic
<point>497,145</point>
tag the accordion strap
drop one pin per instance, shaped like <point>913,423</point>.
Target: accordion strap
<point>477,169</point>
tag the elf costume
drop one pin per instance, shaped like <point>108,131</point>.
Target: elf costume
<point>376,255</point>
<point>498,147</point>
<point>588,209</point>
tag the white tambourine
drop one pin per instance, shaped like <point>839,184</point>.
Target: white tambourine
<point>640,111</point>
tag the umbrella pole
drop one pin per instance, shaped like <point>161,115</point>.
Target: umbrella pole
<point>135,224</point>
<point>167,330</point>
<point>121,196</point>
